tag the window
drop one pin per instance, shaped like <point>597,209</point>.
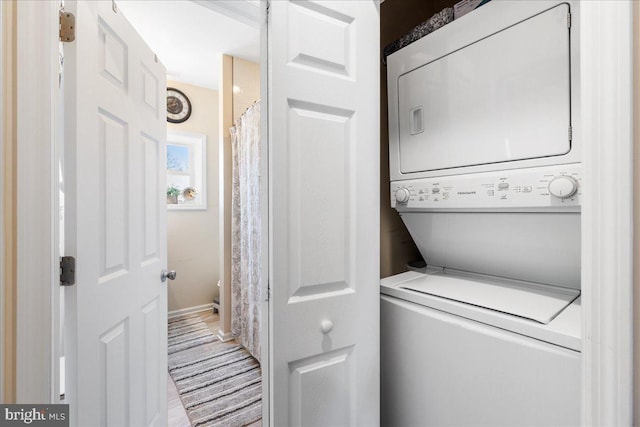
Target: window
<point>186,170</point>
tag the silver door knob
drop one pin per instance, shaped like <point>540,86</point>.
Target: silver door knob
<point>171,275</point>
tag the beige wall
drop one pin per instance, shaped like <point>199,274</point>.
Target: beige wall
<point>636,210</point>
<point>245,76</point>
<point>193,235</point>
<point>226,121</point>
<point>396,245</point>
<point>9,202</point>
<point>246,83</point>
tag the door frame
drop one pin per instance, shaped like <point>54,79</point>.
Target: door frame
<point>37,202</point>
<point>607,242</point>
<point>2,205</point>
<point>607,320</point>
<point>265,333</point>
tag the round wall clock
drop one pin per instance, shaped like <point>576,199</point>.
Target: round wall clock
<point>178,106</point>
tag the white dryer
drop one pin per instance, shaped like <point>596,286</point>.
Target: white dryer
<point>486,175</point>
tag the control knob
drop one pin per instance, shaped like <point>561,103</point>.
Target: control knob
<point>563,187</point>
<point>402,195</point>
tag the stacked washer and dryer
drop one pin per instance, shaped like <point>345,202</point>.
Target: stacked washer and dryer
<point>486,174</point>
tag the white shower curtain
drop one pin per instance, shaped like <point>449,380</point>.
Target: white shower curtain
<point>246,276</point>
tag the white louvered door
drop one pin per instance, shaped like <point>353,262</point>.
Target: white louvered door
<point>115,136</point>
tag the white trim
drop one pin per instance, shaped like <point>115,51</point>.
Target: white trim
<point>636,209</point>
<point>191,310</point>
<point>224,336</point>
<point>265,107</point>
<point>198,144</point>
<point>57,139</point>
<point>2,257</point>
<point>37,209</point>
<point>607,252</point>
<point>244,11</point>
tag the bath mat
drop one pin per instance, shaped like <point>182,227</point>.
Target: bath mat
<point>187,331</point>
<point>219,383</point>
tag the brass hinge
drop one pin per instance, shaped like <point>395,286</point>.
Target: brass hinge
<point>569,20</point>
<point>67,26</point>
<point>67,271</point>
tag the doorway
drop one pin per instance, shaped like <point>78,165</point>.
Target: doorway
<point>190,40</point>
<point>194,40</point>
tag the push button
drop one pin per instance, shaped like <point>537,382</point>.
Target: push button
<point>503,185</point>
<point>435,190</point>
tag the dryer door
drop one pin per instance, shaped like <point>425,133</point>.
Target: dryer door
<point>505,97</point>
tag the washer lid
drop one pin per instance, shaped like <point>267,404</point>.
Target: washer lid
<point>540,303</point>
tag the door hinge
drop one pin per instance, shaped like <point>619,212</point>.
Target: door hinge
<point>569,20</point>
<point>67,26</point>
<point>67,271</point>
<point>570,133</point>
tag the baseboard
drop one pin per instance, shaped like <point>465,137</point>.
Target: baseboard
<point>224,336</point>
<point>189,310</point>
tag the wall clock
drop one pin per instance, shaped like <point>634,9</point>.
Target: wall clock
<point>178,106</point>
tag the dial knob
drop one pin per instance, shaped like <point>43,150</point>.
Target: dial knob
<point>563,187</point>
<point>402,195</point>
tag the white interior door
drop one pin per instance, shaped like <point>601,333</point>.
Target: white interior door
<point>324,209</point>
<point>115,136</point>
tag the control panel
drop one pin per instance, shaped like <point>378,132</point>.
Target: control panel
<point>540,187</point>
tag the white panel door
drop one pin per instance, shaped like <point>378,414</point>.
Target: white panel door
<point>115,136</point>
<point>324,209</point>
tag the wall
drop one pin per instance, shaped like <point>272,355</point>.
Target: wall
<point>636,210</point>
<point>8,180</point>
<point>246,85</point>
<point>193,235</point>
<point>397,17</point>
<point>226,122</point>
<point>245,76</point>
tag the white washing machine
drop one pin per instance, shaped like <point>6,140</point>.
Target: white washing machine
<point>486,175</point>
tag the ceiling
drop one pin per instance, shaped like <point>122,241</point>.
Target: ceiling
<point>190,36</point>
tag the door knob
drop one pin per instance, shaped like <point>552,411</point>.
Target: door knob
<point>326,326</point>
<point>171,275</point>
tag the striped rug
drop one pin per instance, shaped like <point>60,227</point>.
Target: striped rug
<point>219,383</point>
